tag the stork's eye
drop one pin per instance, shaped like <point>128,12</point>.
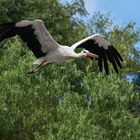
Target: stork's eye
<point>84,51</point>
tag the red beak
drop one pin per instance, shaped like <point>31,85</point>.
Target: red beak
<point>92,55</point>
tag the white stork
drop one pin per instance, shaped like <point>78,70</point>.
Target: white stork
<point>48,51</point>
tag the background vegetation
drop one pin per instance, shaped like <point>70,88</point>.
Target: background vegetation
<point>73,100</point>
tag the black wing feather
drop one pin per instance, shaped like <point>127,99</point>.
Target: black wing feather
<point>111,59</point>
<point>117,60</point>
<point>100,63</point>
<point>113,50</point>
<point>26,33</point>
<point>28,36</point>
<point>7,30</point>
<point>104,55</point>
<point>110,54</point>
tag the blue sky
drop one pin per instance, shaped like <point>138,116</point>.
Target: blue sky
<point>124,11</point>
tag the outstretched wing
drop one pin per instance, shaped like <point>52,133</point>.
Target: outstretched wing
<point>33,33</point>
<point>97,44</point>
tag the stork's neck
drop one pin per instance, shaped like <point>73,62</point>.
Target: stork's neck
<point>77,55</point>
<point>69,52</point>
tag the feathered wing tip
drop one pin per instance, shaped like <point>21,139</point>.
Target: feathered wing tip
<point>7,30</point>
<point>112,55</point>
<point>97,44</point>
<point>33,33</point>
<point>115,58</point>
<point>26,33</point>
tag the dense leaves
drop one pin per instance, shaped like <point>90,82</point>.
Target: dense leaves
<point>63,102</point>
<point>70,100</point>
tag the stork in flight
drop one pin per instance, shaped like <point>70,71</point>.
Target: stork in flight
<point>48,51</point>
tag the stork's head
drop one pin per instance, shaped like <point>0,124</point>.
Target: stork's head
<point>87,54</point>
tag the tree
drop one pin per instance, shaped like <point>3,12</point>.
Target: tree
<point>64,101</point>
<point>135,78</point>
<point>123,37</point>
<point>57,17</point>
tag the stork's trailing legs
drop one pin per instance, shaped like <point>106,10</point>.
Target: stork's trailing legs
<point>34,70</point>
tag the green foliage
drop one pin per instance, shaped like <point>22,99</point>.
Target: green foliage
<point>63,102</point>
<point>100,23</point>
<point>135,77</point>
<point>70,100</point>
<point>58,18</point>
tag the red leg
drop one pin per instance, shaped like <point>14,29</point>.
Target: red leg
<point>34,70</point>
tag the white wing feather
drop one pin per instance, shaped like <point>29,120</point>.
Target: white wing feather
<point>99,39</point>
<point>44,37</point>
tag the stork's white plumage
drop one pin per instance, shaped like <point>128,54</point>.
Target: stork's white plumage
<point>48,51</point>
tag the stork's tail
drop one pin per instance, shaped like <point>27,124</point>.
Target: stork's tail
<point>39,61</point>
